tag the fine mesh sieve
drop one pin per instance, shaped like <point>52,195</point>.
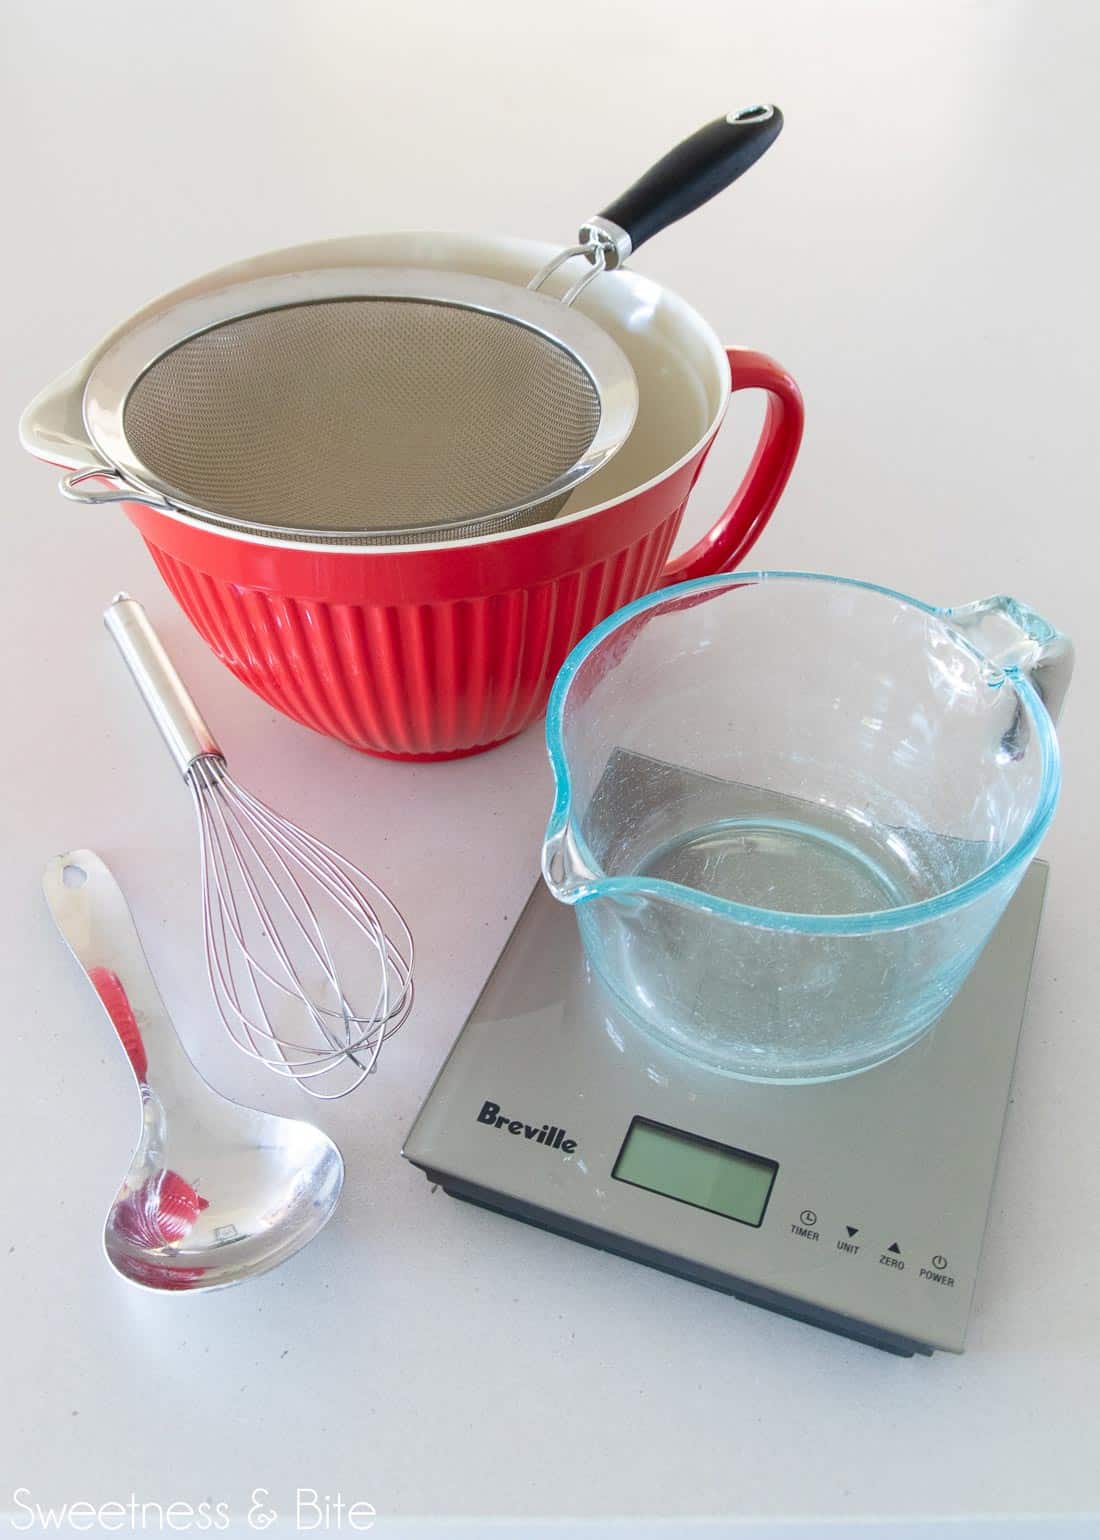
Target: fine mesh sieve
<point>407,412</point>
<point>365,406</point>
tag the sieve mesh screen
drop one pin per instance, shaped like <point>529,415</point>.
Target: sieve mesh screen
<point>364,418</point>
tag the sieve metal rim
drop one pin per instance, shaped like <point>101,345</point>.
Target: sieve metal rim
<point>123,364</point>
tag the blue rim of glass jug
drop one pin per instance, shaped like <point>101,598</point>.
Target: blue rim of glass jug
<point>772,919</point>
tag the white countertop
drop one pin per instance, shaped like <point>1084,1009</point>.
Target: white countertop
<point>920,250</point>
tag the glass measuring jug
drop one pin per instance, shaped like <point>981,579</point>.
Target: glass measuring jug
<point>791,808</point>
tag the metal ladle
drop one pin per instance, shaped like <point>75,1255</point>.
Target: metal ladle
<point>215,1192</point>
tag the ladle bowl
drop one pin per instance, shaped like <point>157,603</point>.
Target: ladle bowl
<point>215,1192</point>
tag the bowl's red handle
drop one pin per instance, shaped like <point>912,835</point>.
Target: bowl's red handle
<point>735,533</point>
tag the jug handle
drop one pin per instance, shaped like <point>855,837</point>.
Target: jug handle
<point>1014,639</point>
<point>737,530</point>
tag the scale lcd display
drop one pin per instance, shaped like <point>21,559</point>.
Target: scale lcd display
<point>707,1175</point>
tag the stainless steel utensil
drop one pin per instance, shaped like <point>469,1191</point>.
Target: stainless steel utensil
<point>216,1192</point>
<point>383,405</point>
<point>279,906</point>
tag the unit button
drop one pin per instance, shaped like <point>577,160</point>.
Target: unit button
<point>850,1245</point>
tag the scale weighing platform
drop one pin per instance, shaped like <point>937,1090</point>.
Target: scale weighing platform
<point>858,1205</point>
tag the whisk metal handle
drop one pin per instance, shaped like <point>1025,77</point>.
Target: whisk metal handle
<point>163,691</point>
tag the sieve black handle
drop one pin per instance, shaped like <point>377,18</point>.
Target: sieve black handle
<point>693,173</point>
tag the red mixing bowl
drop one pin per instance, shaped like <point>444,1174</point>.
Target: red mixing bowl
<point>435,651</point>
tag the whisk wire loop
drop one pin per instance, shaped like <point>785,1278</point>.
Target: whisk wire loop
<point>268,953</point>
<point>280,907</point>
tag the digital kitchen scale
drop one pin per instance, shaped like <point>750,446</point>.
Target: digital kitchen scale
<point>858,1205</point>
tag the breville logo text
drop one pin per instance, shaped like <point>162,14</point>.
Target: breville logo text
<point>542,1133</point>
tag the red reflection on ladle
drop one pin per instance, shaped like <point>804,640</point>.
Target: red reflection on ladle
<point>108,986</point>
<point>161,1212</point>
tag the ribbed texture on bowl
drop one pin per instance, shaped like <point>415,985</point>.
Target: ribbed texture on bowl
<point>419,680</point>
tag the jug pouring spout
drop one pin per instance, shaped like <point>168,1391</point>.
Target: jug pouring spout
<point>564,869</point>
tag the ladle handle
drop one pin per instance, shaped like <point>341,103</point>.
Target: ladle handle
<point>180,722</point>
<point>92,915</point>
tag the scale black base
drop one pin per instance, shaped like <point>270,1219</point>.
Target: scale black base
<point>857,1205</point>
